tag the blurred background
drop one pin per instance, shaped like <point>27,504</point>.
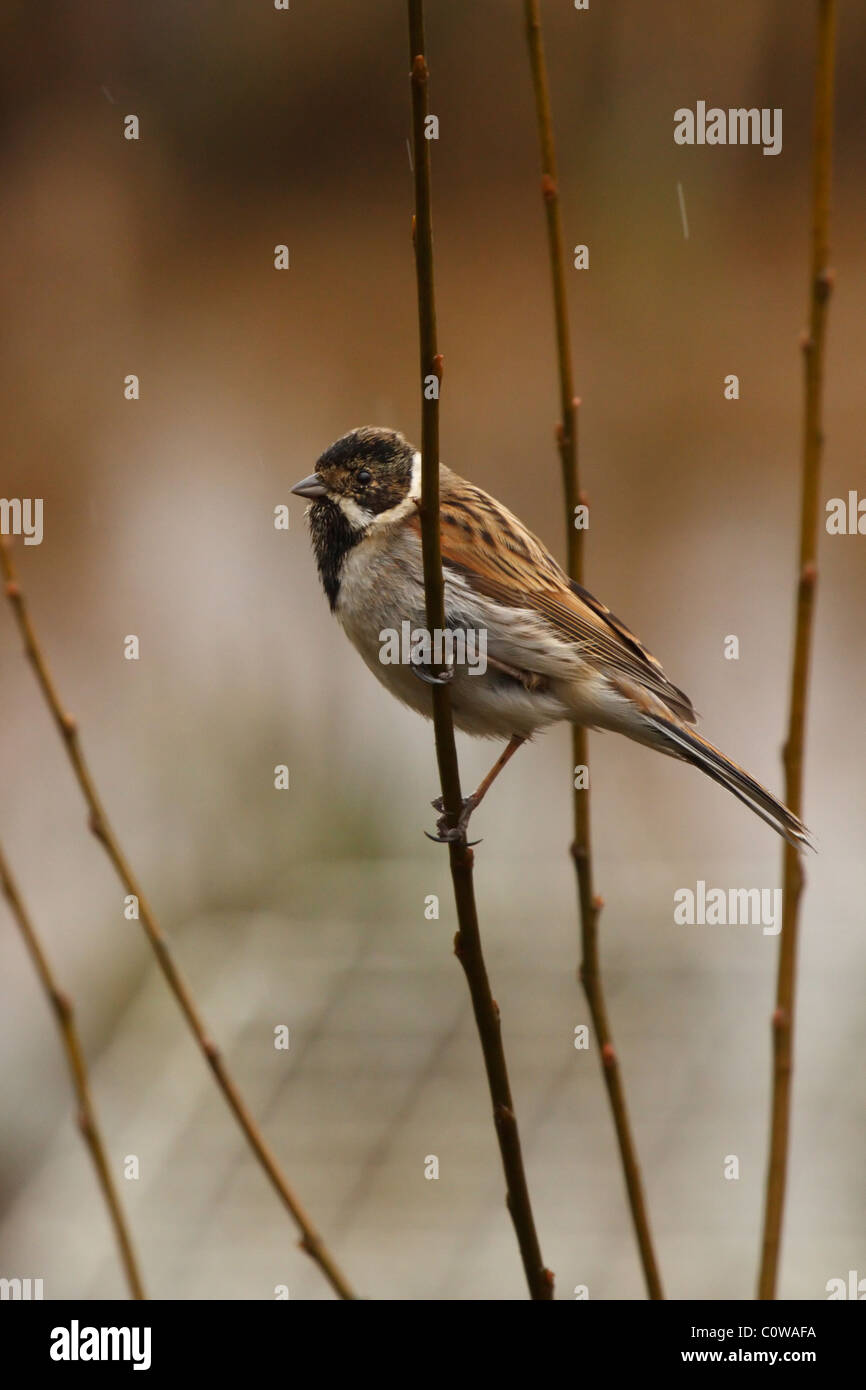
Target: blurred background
<point>306,907</point>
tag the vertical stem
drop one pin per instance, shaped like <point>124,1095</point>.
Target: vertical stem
<point>581,849</point>
<point>467,943</point>
<point>813,343</point>
<point>64,1013</point>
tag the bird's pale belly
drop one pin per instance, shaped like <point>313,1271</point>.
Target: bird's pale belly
<point>371,607</point>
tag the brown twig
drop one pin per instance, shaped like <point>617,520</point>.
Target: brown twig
<point>310,1240</point>
<point>581,849</point>
<point>467,943</point>
<point>87,1121</point>
<point>821,282</point>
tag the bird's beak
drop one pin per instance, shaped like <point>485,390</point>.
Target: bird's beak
<point>311,487</point>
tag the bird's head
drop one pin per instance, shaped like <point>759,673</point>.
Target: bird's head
<point>371,476</point>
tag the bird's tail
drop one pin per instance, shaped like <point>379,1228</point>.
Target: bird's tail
<point>680,742</point>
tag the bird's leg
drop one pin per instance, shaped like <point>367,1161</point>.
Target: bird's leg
<point>504,757</point>
<point>470,803</point>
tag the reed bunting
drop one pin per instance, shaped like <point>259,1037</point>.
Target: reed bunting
<point>553,651</point>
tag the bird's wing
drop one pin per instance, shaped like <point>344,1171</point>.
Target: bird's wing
<point>499,557</point>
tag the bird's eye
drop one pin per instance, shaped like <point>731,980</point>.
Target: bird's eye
<point>364,476</point>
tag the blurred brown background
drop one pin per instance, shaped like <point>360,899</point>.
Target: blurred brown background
<point>306,907</point>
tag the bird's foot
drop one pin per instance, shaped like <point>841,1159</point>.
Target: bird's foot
<point>450,834</point>
<point>431,677</point>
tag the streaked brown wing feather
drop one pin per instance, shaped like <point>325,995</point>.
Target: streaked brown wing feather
<point>496,554</point>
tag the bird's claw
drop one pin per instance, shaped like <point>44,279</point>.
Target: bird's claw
<point>430,677</point>
<point>450,834</point>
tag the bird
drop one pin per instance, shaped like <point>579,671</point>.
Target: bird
<point>553,651</point>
